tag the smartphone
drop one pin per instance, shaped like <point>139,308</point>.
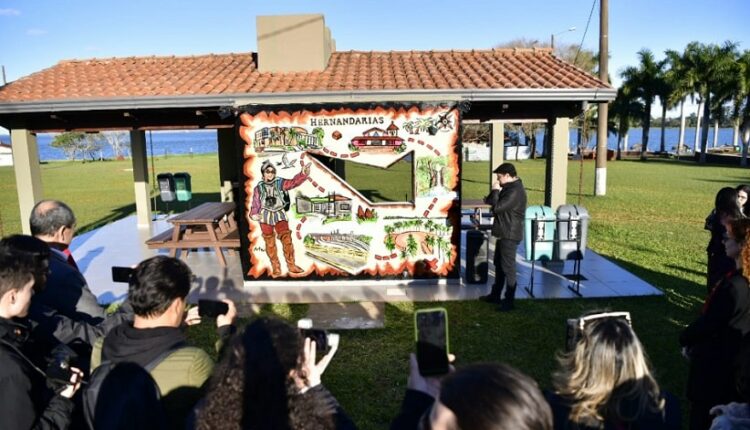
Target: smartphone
<point>431,334</point>
<point>212,308</point>
<point>319,336</point>
<point>122,274</point>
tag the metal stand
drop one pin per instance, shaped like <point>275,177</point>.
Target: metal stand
<point>576,261</point>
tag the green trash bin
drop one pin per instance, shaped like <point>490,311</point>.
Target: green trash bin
<point>542,219</point>
<point>183,187</point>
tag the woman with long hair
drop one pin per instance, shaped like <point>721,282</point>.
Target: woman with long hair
<point>726,210</point>
<point>605,382</point>
<point>268,378</point>
<point>713,341</point>
<point>743,191</point>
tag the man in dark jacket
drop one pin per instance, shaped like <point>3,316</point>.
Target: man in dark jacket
<point>508,201</point>
<point>67,291</point>
<point>27,403</point>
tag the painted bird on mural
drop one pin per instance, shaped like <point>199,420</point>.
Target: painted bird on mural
<point>285,163</point>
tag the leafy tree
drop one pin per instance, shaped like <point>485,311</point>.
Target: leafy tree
<point>643,83</point>
<point>70,143</point>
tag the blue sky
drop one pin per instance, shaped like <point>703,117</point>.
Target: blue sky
<point>37,34</point>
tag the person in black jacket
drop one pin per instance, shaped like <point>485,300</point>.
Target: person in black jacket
<point>269,378</point>
<point>726,210</point>
<point>492,396</point>
<point>508,201</point>
<point>67,291</point>
<point>27,403</point>
<point>713,341</point>
<point>50,327</point>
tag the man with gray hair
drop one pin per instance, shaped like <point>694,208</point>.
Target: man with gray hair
<point>66,291</point>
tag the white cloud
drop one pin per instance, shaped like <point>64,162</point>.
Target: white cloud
<point>36,32</point>
<point>9,12</point>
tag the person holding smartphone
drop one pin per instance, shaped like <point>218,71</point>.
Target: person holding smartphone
<point>491,396</point>
<point>27,402</point>
<point>158,292</point>
<point>270,378</point>
<point>508,201</point>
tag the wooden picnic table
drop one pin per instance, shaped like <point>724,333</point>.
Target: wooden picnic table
<point>210,225</point>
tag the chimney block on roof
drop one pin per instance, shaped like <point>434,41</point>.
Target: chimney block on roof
<point>293,43</point>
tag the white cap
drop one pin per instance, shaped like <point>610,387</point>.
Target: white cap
<point>305,323</point>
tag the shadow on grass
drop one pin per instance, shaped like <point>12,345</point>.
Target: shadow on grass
<point>173,207</point>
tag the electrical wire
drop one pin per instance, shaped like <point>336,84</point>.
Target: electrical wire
<point>586,30</point>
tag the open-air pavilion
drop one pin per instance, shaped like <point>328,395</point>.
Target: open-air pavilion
<point>296,65</point>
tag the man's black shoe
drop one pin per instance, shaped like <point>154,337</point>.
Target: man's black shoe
<point>489,298</point>
<point>506,306</point>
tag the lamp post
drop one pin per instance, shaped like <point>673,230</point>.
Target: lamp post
<point>552,36</point>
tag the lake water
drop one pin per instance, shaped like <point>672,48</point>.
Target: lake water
<point>205,141</point>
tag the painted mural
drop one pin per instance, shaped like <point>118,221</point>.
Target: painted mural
<point>304,220</point>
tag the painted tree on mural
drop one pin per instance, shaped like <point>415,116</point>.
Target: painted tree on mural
<point>430,173</point>
<point>411,245</point>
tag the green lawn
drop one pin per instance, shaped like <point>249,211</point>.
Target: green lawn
<point>650,222</point>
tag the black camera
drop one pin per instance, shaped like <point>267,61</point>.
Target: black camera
<point>270,201</point>
<point>58,369</point>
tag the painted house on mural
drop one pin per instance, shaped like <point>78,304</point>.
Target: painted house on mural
<point>309,110</point>
<point>330,206</point>
<point>377,137</point>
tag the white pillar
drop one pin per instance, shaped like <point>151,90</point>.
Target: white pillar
<point>140,177</point>
<point>497,148</point>
<point>556,177</point>
<point>28,173</point>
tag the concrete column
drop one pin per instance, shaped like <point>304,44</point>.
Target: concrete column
<point>28,173</point>
<point>556,178</point>
<point>228,163</point>
<point>140,177</point>
<point>497,148</point>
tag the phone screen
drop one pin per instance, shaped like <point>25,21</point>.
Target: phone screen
<point>432,341</point>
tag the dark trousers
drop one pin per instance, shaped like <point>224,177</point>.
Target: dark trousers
<point>505,265</point>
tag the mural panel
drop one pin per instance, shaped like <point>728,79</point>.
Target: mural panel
<point>303,220</point>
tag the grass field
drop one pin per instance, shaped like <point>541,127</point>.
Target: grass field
<point>650,222</point>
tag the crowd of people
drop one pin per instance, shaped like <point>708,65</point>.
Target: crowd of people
<point>65,363</point>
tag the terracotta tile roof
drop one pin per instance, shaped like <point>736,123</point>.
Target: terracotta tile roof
<point>346,71</point>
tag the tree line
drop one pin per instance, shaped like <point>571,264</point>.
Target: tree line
<point>715,76</point>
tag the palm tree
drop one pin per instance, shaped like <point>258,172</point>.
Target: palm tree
<point>643,82</point>
<point>680,78</point>
<point>711,66</point>
<point>624,109</point>
<point>741,111</point>
<point>664,90</point>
